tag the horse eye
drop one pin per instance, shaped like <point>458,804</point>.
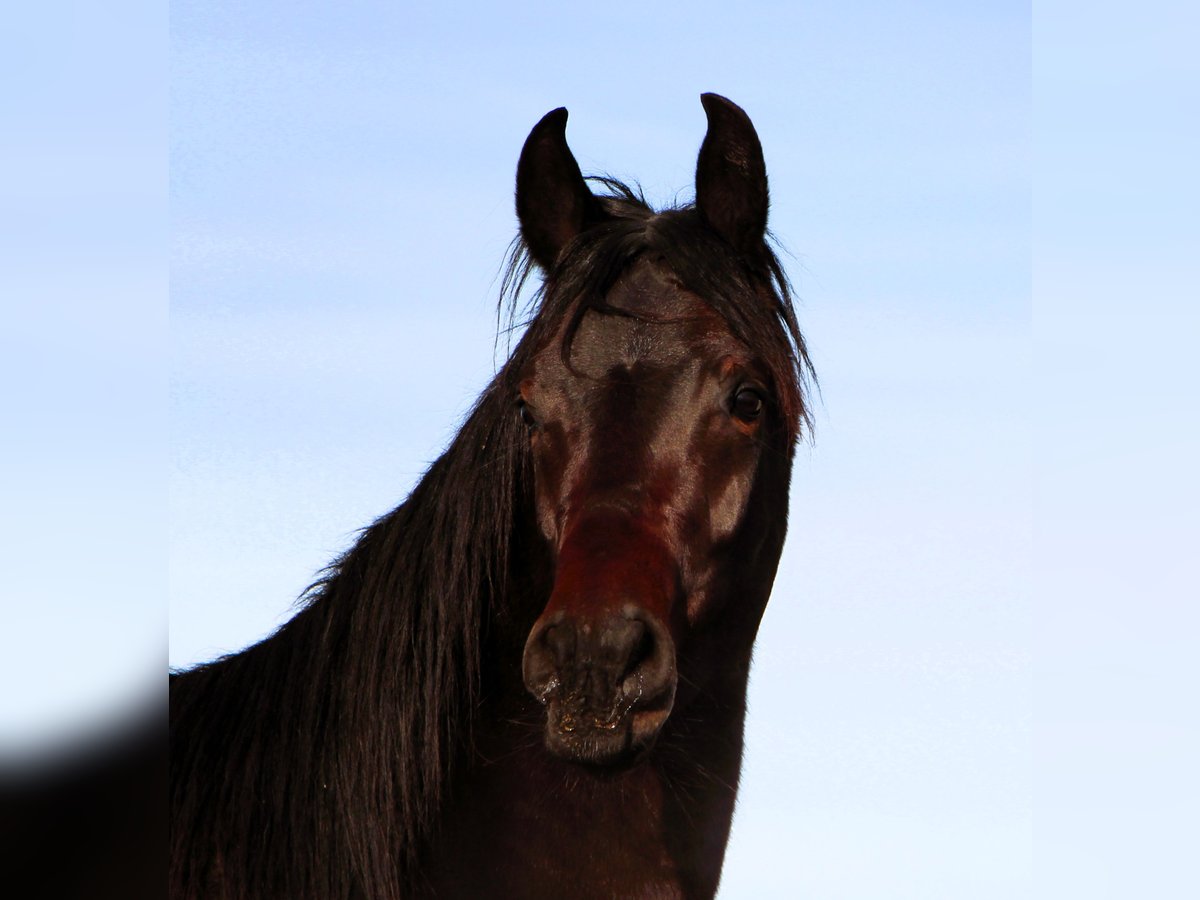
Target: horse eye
<point>747,404</point>
<point>526,416</point>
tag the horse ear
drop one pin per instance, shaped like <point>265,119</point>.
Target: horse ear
<point>553,201</point>
<point>731,177</point>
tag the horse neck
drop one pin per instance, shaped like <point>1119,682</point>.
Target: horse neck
<point>662,822</point>
<point>311,733</point>
<point>658,828</point>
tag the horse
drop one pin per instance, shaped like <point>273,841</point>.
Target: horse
<point>529,679</point>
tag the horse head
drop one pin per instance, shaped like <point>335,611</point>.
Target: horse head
<point>660,416</point>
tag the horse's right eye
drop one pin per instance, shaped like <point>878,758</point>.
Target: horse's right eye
<point>747,404</point>
<point>526,415</point>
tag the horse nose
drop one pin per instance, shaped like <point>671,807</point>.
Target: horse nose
<point>629,655</point>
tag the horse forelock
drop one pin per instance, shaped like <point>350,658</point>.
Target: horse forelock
<point>751,293</point>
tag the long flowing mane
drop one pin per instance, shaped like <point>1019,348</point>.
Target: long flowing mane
<point>347,724</point>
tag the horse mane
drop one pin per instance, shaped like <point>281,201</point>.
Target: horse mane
<point>345,725</point>
<point>367,686</point>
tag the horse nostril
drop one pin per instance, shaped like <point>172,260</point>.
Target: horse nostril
<point>560,639</point>
<point>628,656</point>
<point>619,641</point>
<point>649,666</point>
<point>549,650</point>
<point>643,652</point>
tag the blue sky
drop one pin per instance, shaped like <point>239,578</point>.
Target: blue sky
<point>1117,490</point>
<point>84,438</point>
<point>341,200</point>
<point>999,476</point>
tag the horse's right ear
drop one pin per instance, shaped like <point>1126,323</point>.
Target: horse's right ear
<point>731,176</point>
<point>553,201</point>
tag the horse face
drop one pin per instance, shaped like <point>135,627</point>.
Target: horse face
<point>646,439</point>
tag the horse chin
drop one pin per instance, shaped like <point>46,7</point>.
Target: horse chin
<point>591,740</point>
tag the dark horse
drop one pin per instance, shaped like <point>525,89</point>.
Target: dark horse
<point>529,680</point>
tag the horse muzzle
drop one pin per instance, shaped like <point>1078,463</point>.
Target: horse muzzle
<point>601,658</point>
<point>608,684</point>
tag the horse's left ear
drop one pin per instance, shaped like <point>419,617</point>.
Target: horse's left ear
<point>731,176</point>
<point>553,201</point>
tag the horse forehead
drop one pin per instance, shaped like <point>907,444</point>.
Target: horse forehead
<point>653,324</point>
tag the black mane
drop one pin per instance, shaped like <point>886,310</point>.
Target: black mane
<point>372,687</point>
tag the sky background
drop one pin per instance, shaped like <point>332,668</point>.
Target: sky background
<point>976,675</point>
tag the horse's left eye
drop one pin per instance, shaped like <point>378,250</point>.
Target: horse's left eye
<point>526,415</point>
<point>747,404</point>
